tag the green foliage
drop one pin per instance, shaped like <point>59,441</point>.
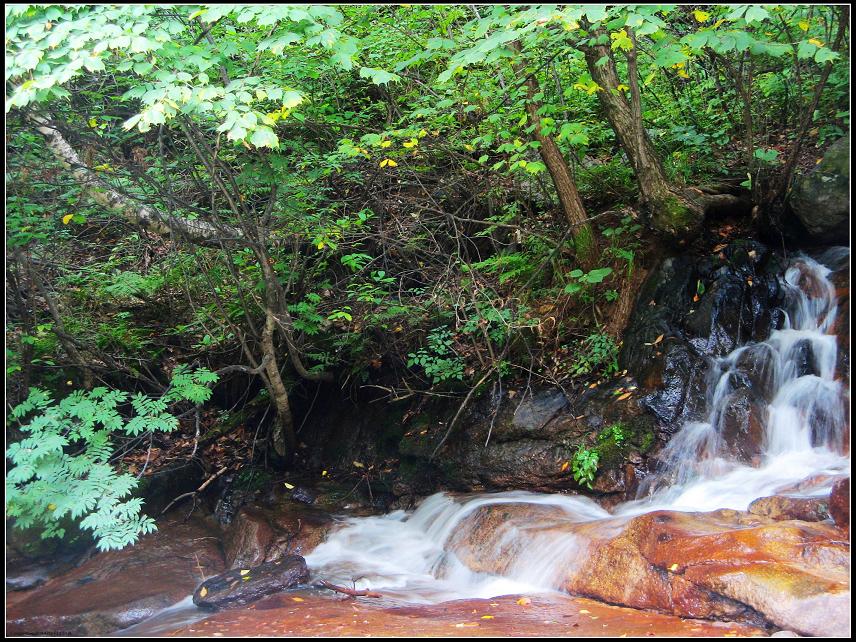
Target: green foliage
<point>62,467</point>
<point>438,359</point>
<point>583,279</point>
<point>616,432</point>
<point>584,466</point>
<point>596,354</point>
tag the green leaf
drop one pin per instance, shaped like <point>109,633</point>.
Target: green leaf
<point>264,136</point>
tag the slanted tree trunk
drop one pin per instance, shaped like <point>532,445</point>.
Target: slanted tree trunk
<point>674,215</point>
<point>569,197</point>
<point>109,198</point>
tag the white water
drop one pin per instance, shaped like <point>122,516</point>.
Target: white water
<point>411,556</point>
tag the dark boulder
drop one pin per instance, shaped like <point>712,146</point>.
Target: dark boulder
<point>240,587</point>
<point>742,423</point>
<point>821,198</point>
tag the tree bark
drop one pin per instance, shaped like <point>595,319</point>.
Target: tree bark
<point>195,231</point>
<point>585,242</point>
<point>673,215</point>
<point>284,438</point>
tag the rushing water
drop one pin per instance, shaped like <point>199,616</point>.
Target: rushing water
<point>412,556</point>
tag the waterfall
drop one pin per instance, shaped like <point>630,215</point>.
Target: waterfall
<point>797,423</point>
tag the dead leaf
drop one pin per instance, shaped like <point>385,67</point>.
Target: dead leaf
<point>585,611</point>
<point>626,395</point>
<point>487,617</point>
<point>244,571</point>
<point>658,339</point>
<point>203,592</point>
<point>358,464</point>
<point>564,467</point>
<point>673,567</point>
<point>297,599</point>
<point>524,601</point>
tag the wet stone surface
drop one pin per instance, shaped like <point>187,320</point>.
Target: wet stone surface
<point>308,614</point>
<point>240,587</point>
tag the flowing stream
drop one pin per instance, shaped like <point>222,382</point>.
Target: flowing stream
<point>412,556</point>
<point>415,557</point>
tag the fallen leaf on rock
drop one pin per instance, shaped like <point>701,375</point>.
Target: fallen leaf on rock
<point>624,396</point>
<point>244,571</point>
<point>297,599</point>
<point>487,617</point>
<point>673,567</point>
<point>524,601</point>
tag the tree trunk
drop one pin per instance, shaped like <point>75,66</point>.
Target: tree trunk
<point>569,197</point>
<point>284,438</point>
<point>109,198</point>
<point>672,215</point>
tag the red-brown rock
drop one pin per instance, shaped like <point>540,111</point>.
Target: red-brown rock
<point>264,534</point>
<point>116,589</point>
<point>780,507</point>
<point>720,565</point>
<point>839,503</point>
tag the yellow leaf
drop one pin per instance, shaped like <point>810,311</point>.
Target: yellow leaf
<point>524,601</point>
<point>564,467</point>
<point>622,87</point>
<point>289,486</point>
<point>673,567</point>
<point>413,143</point>
<point>358,464</point>
<point>51,506</point>
<point>487,617</point>
<point>93,123</point>
<point>320,245</point>
<point>203,592</point>
<point>717,24</point>
<point>701,16</point>
<point>69,382</point>
<point>244,571</point>
<point>386,162</point>
<point>67,218</point>
<point>422,133</point>
<point>585,611</point>
<point>815,42</point>
<point>626,395</point>
<point>658,339</point>
<point>324,473</point>
<point>803,24</point>
<point>683,74</point>
<point>297,599</point>
<point>386,143</point>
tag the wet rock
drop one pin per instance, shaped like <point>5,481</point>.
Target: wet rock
<point>839,503</point>
<point>541,615</point>
<point>742,425</point>
<point>240,587</point>
<point>304,495</point>
<point>261,534</point>
<point>779,507</point>
<point>536,411</point>
<point>756,367</point>
<point>116,589</point>
<point>821,198</point>
<point>721,565</point>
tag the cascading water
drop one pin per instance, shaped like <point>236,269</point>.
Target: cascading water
<point>800,420</point>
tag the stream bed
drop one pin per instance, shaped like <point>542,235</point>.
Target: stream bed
<point>692,555</point>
